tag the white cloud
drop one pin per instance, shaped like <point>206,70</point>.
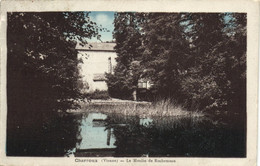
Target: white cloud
<point>105,21</point>
<point>102,19</point>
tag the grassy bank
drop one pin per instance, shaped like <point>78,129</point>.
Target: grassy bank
<point>160,108</point>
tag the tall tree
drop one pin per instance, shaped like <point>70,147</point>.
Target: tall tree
<point>198,59</point>
<point>216,80</point>
<point>165,51</point>
<point>205,33</point>
<point>42,60</point>
<point>128,40</point>
<point>230,66</point>
<point>42,80</point>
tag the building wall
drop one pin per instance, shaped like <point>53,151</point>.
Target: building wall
<point>99,85</point>
<point>95,62</point>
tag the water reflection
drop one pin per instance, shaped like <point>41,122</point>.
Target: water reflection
<point>145,121</point>
<point>105,134</point>
<point>96,137</point>
<point>41,133</point>
<point>132,136</point>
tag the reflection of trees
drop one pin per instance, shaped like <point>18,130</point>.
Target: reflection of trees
<point>132,139</point>
<point>45,134</point>
<point>171,136</point>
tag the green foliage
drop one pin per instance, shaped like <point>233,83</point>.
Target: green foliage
<point>165,51</point>
<point>99,94</point>
<point>128,40</point>
<point>42,80</point>
<point>216,81</point>
<point>200,81</point>
<point>196,59</point>
<point>42,61</point>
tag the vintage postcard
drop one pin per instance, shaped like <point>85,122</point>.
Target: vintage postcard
<point>152,82</point>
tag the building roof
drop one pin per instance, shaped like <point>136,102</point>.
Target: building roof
<point>99,77</point>
<point>97,47</point>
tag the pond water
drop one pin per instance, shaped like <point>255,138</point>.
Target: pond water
<point>104,134</point>
<point>116,135</point>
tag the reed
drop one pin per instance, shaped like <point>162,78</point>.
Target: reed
<point>160,108</point>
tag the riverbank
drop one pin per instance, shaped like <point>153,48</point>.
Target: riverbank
<point>114,101</point>
<point>136,108</point>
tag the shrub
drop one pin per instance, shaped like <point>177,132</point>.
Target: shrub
<point>99,94</point>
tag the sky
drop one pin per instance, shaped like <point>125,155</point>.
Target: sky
<point>105,19</point>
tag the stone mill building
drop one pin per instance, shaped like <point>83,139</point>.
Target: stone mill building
<point>97,59</point>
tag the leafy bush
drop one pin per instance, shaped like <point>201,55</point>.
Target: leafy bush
<point>99,94</point>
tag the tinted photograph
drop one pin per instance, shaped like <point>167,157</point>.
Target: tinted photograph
<point>126,84</point>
